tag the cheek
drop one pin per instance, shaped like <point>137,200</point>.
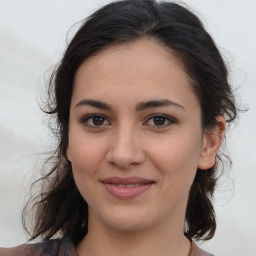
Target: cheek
<point>86,156</point>
<point>84,150</point>
<point>177,157</point>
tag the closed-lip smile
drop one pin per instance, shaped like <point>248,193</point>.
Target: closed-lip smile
<point>125,188</point>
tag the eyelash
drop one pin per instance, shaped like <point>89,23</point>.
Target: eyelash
<point>163,116</point>
<point>88,117</point>
<point>168,119</point>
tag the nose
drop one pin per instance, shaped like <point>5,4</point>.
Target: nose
<point>125,149</point>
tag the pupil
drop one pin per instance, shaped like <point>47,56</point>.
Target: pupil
<point>159,121</point>
<point>98,120</point>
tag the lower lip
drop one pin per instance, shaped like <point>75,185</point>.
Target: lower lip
<point>126,193</point>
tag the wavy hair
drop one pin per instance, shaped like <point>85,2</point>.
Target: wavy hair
<point>58,208</point>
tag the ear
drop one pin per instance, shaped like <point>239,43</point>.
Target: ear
<point>68,154</point>
<point>211,143</point>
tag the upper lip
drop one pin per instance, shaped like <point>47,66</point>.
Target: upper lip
<point>126,181</point>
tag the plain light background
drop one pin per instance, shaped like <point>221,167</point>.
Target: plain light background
<point>33,38</point>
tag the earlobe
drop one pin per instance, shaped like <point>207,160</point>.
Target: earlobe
<point>211,143</point>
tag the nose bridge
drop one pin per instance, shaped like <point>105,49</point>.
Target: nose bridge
<point>125,148</point>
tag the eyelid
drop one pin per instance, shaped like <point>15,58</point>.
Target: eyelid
<point>87,117</point>
<point>170,119</point>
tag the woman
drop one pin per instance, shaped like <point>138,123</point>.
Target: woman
<point>141,100</point>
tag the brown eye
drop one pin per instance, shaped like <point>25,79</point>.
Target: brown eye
<point>95,121</point>
<point>159,120</point>
<point>98,120</point>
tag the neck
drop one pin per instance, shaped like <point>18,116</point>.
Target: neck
<point>161,240</point>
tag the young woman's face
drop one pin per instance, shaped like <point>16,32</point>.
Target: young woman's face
<point>135,136</point>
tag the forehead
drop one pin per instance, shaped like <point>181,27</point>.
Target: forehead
<point>140,70</point>
<point>134,55</point>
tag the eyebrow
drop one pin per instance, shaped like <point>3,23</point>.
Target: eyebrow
<point>93,103</point>
<point>139,107</point>
<point>157,103</point>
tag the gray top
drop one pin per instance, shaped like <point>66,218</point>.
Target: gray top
<point>65,247</point>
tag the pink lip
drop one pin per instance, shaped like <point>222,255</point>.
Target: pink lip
<point>125,188</point>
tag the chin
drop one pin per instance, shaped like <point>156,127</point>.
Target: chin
<point>127,220</point>
<point>127,225</point>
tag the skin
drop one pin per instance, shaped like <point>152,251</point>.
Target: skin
<point>125,142</point>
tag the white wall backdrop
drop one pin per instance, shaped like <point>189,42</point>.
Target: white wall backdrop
<point>32,39</point>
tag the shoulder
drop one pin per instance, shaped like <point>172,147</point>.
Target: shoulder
<point>53,247</point>
<point>196,251</point>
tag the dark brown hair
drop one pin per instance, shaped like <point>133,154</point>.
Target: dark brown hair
<point>59,209</point>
